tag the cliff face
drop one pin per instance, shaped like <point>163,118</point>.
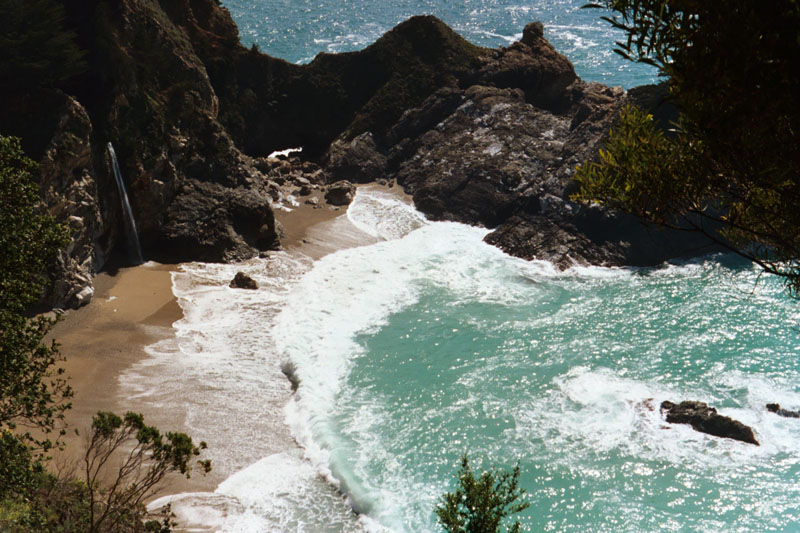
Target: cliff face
<point>476,135</point>
<point>194,195</point>
<point>171,87</point>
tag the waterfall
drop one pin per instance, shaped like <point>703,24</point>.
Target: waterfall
<point>134,248</point>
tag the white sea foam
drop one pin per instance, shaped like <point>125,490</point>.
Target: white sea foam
<point>382,215</point>
<point>220,361</point>
<point>230,345</point>
<point>592,412</point>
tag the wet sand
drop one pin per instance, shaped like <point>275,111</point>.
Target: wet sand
<point>132,308</point>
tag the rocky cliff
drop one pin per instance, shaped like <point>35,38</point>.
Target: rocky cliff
<point>481,136</point>
<point>499,147</point>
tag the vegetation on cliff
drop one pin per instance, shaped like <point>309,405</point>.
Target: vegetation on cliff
<point>733,160</point>
<point>33,396</point>
<point>38,50</point>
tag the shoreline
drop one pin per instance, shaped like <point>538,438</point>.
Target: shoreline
<point>134,308</point>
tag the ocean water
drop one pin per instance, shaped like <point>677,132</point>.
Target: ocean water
<point>424,343</point>
<point>297,30</point>
<point>417,349</point>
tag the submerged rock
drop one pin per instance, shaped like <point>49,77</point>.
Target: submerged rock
<point>706,420</point>
<point>243,281</point>
<point>776,408</point>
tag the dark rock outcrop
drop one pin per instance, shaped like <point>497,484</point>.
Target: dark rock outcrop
<point>340,193</point>
<point>480,136</point>
<point>776,408</point>
<point>243,281</point>
<point>533,66</point>
<point>69,190</point>
<point>268,104</point>
<point>146,89</point>
<point>706,420</point>
<point>500,148</point>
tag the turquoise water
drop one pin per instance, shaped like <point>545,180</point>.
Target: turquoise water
<point>416,349</point>
<point>297,30</point>
<point>431,343</point>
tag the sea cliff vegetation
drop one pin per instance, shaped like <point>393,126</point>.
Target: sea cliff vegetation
<point>729,166</point>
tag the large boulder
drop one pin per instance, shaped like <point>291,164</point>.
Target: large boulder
<point>480,161</point>
<point>356,160</point>
<point>706,420</point>
<point>340,193</point>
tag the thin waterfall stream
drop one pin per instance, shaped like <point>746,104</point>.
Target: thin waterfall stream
<point>134,247</point>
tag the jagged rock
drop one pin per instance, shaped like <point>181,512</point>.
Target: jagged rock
<point>340,193</point>
<point>569,234</point>
<point>776,408</point>
<point>474,166</point>
<point>211,222</point>
<point>706,420</point>
<point>69,190</point>
<point>275,104</point>
<point>500,156</point>
<point>243,281</point>
<point>146,90</point>
<point>313,201</point>
<point>533,66</point>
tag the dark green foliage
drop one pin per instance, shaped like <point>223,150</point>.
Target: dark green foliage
<point>734,73</point>
<point>135,457</point>
<point>18,470</point>
<point>29,239</point>
<point>146,457</point>
<point>480,505</point>
<point>33,395</point>
<point>37,51</point>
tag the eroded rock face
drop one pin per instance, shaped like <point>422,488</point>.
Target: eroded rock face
<point>357,160</point>
<point>481,136</point>
<point>68,186</point>
<point>194,195</point>
<point>706,420</point>
<point>533,66</point>
<point>475,165</point>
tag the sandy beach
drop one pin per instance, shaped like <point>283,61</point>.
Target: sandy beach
<point>134,307</point>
